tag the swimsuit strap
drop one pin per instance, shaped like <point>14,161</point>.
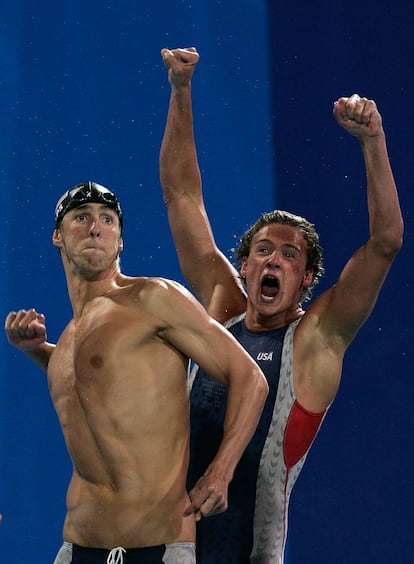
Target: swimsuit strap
<point>116,556</point>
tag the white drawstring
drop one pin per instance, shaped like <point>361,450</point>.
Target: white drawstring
<point>116,556</point>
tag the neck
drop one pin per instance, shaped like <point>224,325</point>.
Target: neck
<point>256,321</point>
<point>83,289</point>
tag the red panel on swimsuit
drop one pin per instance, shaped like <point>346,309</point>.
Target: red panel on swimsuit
<point>301,429</point>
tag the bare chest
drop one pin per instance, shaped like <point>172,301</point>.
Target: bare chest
<point>98,345</point>
<point>111,348</point>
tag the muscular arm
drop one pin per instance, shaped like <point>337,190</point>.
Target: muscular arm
<point>190,330</point>
<point>26,331</point>
<point>206,269</point>
<point>339,313</point>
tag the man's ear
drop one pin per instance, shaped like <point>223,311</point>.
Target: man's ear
<point>308,279</point>
<point>243,268</point>
<point>120,244</point>
<point>57,238</point>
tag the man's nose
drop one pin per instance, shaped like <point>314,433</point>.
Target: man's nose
<point>273,260</point>
<point>94,229</point>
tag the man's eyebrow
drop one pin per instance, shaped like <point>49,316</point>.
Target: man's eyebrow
<point>286,244</point>
<point>292,245</point>
<point>263,240</point>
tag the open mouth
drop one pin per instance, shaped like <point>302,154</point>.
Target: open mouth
<point>270,287</point>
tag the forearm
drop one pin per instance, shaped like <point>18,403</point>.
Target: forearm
<point>179,171</point>
<point>213,279</point>
<point>385,220</point>
<point>181,184</point>
<point>244,408</point>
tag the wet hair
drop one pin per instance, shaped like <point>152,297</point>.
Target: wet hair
<point>84,193</point>
<point>313,251</point>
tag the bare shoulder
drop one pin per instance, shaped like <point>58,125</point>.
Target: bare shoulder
<point>163,302</point>
<point>137,285</point>
<point>157,293</point>
<point>161,287</point>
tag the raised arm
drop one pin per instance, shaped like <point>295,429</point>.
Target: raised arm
<point>205,268</point>
<point>335,317</point>
<point>357,288</point>
<point>26,330</point>
<point>190,330</point>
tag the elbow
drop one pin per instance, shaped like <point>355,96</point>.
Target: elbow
<point>399,244</point>
<point>262,386</point>
<point>390,244</point>
<point>165,182</point>
<point>396,242</point>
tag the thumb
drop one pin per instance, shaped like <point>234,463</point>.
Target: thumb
<point>192,509</point>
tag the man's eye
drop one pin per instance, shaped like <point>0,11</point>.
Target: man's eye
<point>108,219</point>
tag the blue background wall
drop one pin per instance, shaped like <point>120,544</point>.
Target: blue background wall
<point>84,95</point>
